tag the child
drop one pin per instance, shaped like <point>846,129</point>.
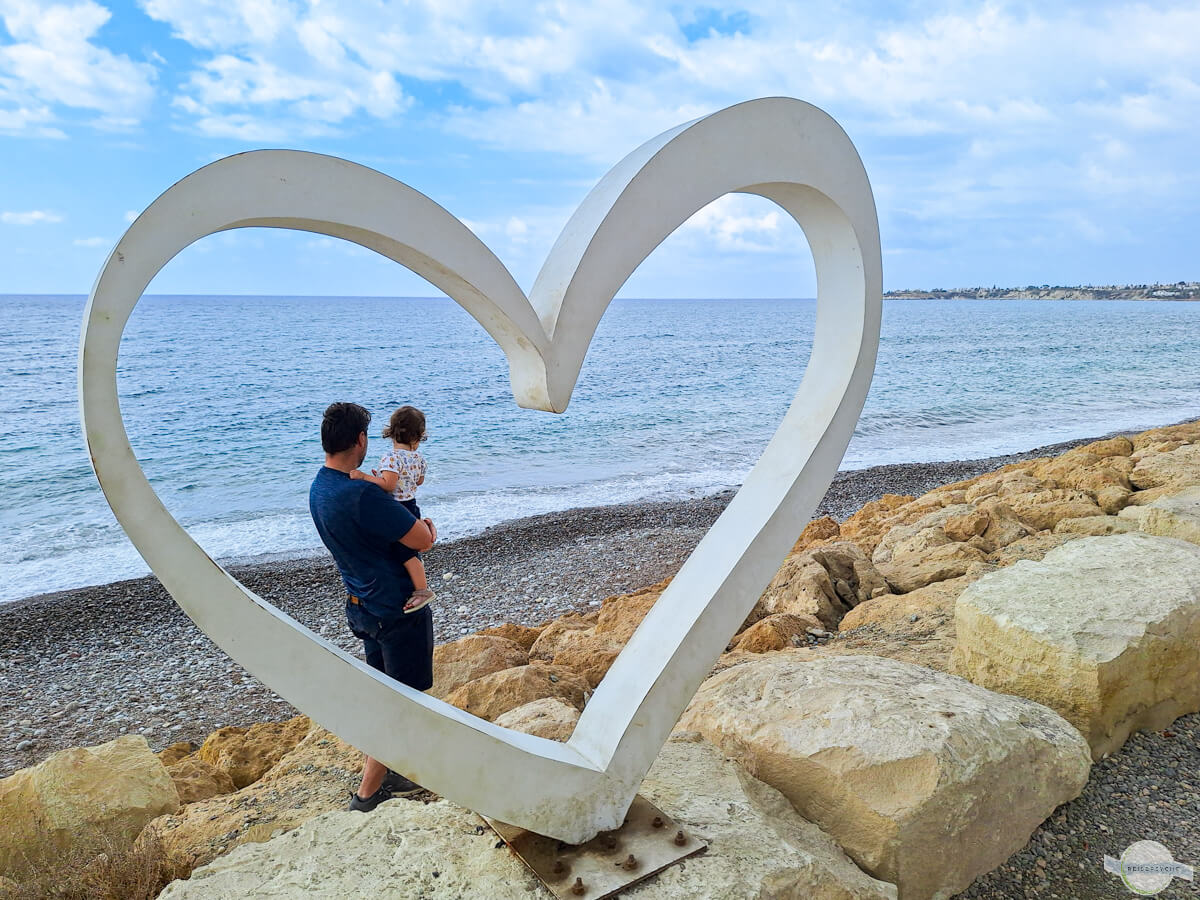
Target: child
<point>400,472</point>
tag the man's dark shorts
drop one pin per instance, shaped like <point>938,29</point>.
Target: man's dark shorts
<point>401,648</point>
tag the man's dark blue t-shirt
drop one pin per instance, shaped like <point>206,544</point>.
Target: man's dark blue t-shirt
<point>360,524</point>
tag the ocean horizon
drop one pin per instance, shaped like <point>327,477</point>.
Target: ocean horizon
<point>222,397</point>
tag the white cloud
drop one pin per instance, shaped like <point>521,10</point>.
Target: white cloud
<point>32,217</point>
<point>91,242</point>
<point>737,223</point>
<point>275,70</point>
<point>54,63</point>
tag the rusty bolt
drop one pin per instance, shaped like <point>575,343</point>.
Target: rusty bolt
<point>680,838</point>
<point>577,888</point>
<point>630,863</point>
<point>559,868</point>
<point>658,822</point>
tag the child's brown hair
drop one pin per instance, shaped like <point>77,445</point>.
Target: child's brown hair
<point>406,426</point>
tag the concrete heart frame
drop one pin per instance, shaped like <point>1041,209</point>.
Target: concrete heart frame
<point>785,150</point>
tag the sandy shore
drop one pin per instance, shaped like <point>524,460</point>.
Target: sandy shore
<point>84,666</point>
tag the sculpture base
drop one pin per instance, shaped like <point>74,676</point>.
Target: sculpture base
<point>648,842</point>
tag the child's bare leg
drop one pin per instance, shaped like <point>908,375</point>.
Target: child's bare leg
<point>416,571</point>
<point>421,595</point>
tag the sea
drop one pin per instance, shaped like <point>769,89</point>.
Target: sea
<point>222,398</point>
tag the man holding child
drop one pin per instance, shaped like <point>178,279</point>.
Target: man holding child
<point>371,538</point>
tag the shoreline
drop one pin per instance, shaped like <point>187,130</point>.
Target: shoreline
<point>842,499</point>
<point>83,666</point>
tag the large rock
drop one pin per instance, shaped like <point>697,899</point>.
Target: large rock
<point>1105,630</point>
<point>777,632</point>
<point>317,776</point>
<point>1035,546</point>
<point>620,616</point>
<point>917,627</point>
<point>549,717</point>
<point>759,848</point>
<point>1175,469</point>
<point>499,692</point>
<point>80,801</point>
<point>1176,516</point>
<point>471,657</point>
<point>591,656</point>
<point>557,635</point>
<point>1095,526</point>
<point>916,570</point>
<point>524,635</point>
<point>246,753</point>
<point>197,780</point>
<point>867,526</point>
<point>801,587</point>
<point>1042,510</point>
<point>926,780</point>
<point>823,582</point>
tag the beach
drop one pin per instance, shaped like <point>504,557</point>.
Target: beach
<point>84,666</point>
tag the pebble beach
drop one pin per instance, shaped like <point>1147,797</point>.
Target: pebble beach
<point>84,666</point>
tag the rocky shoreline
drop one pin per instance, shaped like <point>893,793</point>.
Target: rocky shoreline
<point>84,666</point>
<point>81,667</point>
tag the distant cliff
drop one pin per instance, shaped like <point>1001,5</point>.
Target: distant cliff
<point>1183,290</point>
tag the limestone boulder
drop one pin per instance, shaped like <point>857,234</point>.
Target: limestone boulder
<point>801,587</point>
<point>557,635</point>
<point>1176,516</point>
<point>816,532</point>
<point>317,776</point>
<point>1176,469</point>
<point>246,753</point>
<point>867,526</point>
<point>916,628</point>
<point>917,569</point>
<point>1007,482</point>
<point>80,801</point>
<point>549,717</point>
<point>471,657</point>
<point>197,780</point>
<point>620,616</point>
<point>491,695</point>
<point>1105,630</point>
<point>1042,510</point>
<point>1186,432</point>
<point>758,848</point>
<point>1095,526</point>
<point>523,635</point>
<point>1035,546</point>
<point>172,754</point>
<point>920,536</point>
<point>589,655</point>
<point>823,582</point>
<point>776,632</point>
<point>926,780</point>
<point>854,577</point>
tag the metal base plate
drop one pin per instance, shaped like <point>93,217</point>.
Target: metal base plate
<point>602,867</point>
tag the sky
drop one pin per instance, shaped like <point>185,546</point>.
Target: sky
<point>1007,143</point>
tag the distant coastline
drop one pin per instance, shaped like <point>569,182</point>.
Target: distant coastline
<point>1180,290</point>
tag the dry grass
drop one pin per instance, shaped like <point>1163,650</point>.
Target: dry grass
<point>139,872</point>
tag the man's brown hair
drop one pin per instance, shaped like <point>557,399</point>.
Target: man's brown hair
<point>341,425</point>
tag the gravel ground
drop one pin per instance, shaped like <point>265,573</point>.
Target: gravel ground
<point>84,666</point>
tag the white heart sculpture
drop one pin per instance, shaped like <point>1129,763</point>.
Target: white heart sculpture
<point>785,150</point>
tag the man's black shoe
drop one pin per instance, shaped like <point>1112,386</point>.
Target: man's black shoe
<point>358,804</point>
<point>397,785</point>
